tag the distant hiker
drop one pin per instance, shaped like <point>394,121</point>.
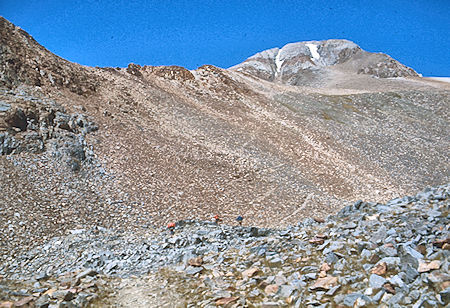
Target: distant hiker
<point>239,219</point>
<point>217,219</point>
<point>171,227</point>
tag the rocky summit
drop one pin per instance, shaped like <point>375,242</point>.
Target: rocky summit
<point>158,186</point>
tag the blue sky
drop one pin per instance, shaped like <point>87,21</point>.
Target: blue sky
<point>223,33</point>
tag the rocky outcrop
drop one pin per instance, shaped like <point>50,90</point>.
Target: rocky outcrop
<point>29,124</point>
<point>299,63</point>
<point>24,61</point>
<point>387,68</point>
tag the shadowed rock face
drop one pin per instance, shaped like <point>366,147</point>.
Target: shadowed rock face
<point>303,62</point>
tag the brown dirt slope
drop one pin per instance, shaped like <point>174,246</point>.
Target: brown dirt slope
<point>176,144</point>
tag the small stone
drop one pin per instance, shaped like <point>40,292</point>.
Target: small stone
<point>269,305</point>
<point>379,236</point>
<point>87,272</point>
<point>324,284</point>
<point>366,254</point>
<point>42,302</point>
<point>411,273</point>
<point>6,304</point>
<point>389,288</point>
<point>340,265</point>
<point>428,266</point>
<point>280,279</point>
<point>191,270</point>
<point>410,256</point>
<point>394,300</point>
<point>24,302</point>
<point>271,289</point>
<point>198,261</point>
<point>380,269</point>
<point>275,262</point>
<point>65,295</point>
<point>221,294</point>
<point>286,290</point>
<point>397,281</point>
<point>388,250</point>
<point>42,276</point>
<point>325,267</point>
<point>250,272</point>
<point>317,241</point>
<point>422,249</point>
<point>350,299</point>
<point>368,291</point>
<point>226,300</point>
<point>376,281</point>
<point>360,302</point>
<point>386,297</point>
<point>331,258</point>
<point>332,290</point>
<point>377,297</point>
<point>350,225</point>
<point>322,274</point>
<point>374,258</point>
<point>440,281</point>
<point>445,295</point>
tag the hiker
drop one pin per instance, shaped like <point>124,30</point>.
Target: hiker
<point>171,227</point>
<point>217,219</point>
<point>239,219</point>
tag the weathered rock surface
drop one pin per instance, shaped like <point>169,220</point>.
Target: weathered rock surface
<point>307,62</point>
<point>34,125</point>
<point>209,264</point>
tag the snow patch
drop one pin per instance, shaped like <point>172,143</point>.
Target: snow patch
<point>313,50</point>
<point>278,62</point>
<point>443,79</point>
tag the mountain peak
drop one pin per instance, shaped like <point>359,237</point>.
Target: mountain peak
<point>314,59</point>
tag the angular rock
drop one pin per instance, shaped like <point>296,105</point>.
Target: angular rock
<point>376,281</point>
<point>192,270</point>
<point>428,266</point>
<point>275,262</point>
<point>380,269</point>
<point>198,261</point>
<point>24,302</point>
<point>445,295</point>
<point>271,289</point>
<point>411,273</point>
<point>388,251</point>
<point>43,301</point>
<point>87,272</point>
<point>286,291</point>
<point>389,287</point>
<point>226,300</point>
<point>332,290</point>
<point>350,300</point>
<point>410,256</point>
<point>250,272</point>
<point>324,284</point>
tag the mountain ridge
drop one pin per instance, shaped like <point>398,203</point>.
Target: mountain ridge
<point>175,144</point>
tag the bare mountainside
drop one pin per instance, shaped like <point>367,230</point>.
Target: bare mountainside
<point>280,137</point>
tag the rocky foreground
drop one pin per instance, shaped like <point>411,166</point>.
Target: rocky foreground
<point>368,255</point>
